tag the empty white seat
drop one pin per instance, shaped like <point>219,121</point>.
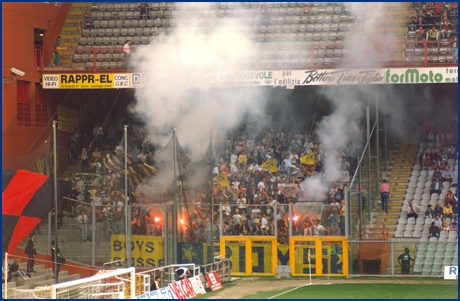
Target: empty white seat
<point>432,247</point>
<point>449,254</point>
<point>407,234</point>
<point>420,254</point>
<point>438,260</point>
<point>439,254</point>
<point>452,234</point>
<point>443,235</point>
<point>450,246</point>
<point>417,268</point>
<point>436,269</point>
<point>442,246</point>
<point>426,269</point>
<point>416,233</point>
<point>446,261</point>
<point>422,247</point>
<point>399,233</point>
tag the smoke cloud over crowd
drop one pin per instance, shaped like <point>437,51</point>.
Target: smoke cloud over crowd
<point>169,101</point>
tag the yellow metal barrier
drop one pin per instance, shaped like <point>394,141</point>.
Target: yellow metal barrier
<point>250,255</point>
<point>328,255</point>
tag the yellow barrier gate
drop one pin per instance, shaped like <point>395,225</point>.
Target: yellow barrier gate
<point>328,255</point>
<point>250,255</point>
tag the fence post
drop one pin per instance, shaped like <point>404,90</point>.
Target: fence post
<point>392,253</point>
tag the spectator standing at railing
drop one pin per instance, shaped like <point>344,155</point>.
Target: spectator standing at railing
<point>82,221</point>
<point>100,220</point>
<point>57,52</point>
<point>126,53</point>
<point>143,10</point>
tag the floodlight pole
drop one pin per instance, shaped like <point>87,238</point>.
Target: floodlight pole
<point>56,273</point>
<point>377,149</point>
<point>127,224</point>
<point>175,206</point>
<point>369,186</point>
<point>212,202</point>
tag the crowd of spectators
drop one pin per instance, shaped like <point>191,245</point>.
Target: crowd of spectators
<point>440,135</point>
<point>255,201</point>
<point>433,20</point>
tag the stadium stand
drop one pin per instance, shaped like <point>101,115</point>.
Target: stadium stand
<point>317,29</point>
<point>444,47</point>
<point>42,277</point>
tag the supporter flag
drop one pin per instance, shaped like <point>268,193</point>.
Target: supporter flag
<point>270,165</point>
<point>27,197</point>
<point>222,180</point>
<point>289,190</point>
<point>308,159</point>
<point>137,171</point>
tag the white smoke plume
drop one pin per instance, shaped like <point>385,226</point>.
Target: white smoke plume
<point>225,46</point>
<point>193,110</point>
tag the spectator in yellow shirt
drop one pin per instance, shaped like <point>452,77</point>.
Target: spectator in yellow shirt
<point>243,158</point>
<point>448,211</point>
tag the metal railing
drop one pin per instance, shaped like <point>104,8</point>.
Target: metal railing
<point>93,57</point>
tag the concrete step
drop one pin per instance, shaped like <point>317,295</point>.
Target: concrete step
<point>76,12</point>
<point>81,5</point>
<point>74,21</point>
<point>398,182</point>
<point>70,28</point>
<point>407,158</point>
<point>400,169</point>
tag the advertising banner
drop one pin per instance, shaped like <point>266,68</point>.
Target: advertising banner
<point>421,75</point>
<point>451,272</point>
<point>213,281</point>
<point>187,288</point>
<point>162,293</point>
<point>271,78</point>
<point>146,251</point>
<point>85,81</point>
<point>309,77</point>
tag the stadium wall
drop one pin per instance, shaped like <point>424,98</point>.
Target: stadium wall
<point>18,23</point>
